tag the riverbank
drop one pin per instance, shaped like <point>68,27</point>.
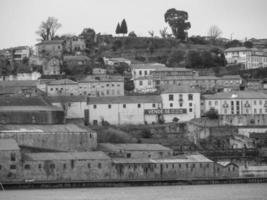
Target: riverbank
<point>124,183</point>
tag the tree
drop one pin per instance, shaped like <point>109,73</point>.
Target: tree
<point>151,33</point>
<point>48,28</point>
<point>248,44</point>
<point>212,114</point>
<point>176,58</point>
<point>132,34</point>
<point>128,85</point>
<point>177,20</point>
<point>163,33</point>
<point>88,35</point>
<point>193,59</point>
<point>233,43</point>
<point>214,32</point>
<point>118,29</point>
<point>124,29</point>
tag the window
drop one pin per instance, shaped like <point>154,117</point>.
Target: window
<point>72,164</point>
<point>216,103</point>
<point>260,111</point>
<point>255,111</point>
<point>260,102</point>
<point>190,110</point>
<point>52,166</point>
<point>171,105</point>
<point>13,167</point>
<point>139,105</point>
<point>140,72</point>
<point>181,104</point>
<point>27,166</point>
<point>124,105</point>
<point>51,89</point>
<point>64,166</point>
<point>140,82</point>
<point>107,85</point>
<point>0,167</point>
<point>255,102</point>
<point>190,96</point>
<point>94,106</point>
<point>89,165</point>
<point>40,166</point>
<point>145,72</point>
<point>13,156</point>
<point>109,106</point>
<point>153,105</point>
<point>210,103</point>
<point>167,166</point>
<point>107,92</point>
<point>190,104</point>
<point>170,97</point>
<point>99,165</point>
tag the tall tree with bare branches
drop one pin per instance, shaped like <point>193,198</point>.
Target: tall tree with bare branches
<point>214,32</point>
<point>48,28</point>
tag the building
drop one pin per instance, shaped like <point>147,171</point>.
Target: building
<point>76,60</point>
<point>251,58</point>
<point>123,110</point>
<point>239,107</point>
<point>50,48</point>
<point>102,85</point>
<point>254,84</point>
<point>229,82</point>
<point>99,71</point>
<point>66,166</point>
<point>10,158</point>
<point>19,53</point>
<point>22,77</point>
<point>182,103</point>
<point>29,110</point>
<point>53,137</point>
<point>75,44</point>
<point>142,76</point>
<point>137,151</point>
<point>51,66</point>
<point>62,87</point>
<point>116,61</point>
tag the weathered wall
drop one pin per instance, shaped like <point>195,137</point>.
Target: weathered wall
<point>65,141</point>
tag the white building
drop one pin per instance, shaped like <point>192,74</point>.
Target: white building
<point>239,107</point>
<point>21,52</point>
<point>182,103</point>
<point>63,87</point>
<point>116,61</point>
<point>142,76</point>
<point>123,110</point>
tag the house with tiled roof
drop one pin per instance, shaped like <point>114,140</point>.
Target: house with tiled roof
<point>49,48</point>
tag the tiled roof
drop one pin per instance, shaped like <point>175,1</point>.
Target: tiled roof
<point>240,49</point>
<point>8,144</point>
<point>29,108</point>
<point>102,78</point>
<point>231,77</point>
<point>178,89</point>
<point>237,95</point>
<point>148,66</point>
<point>56,99</point>
<point>62,82</point>
<point>134,147</point>
<point>16,83</point>
<point>124,99</point>
<point>50,42</point>
<point>22,101</point>
<point>92,155</point>
<point>57,128</point>
<point>187,158</point>
<point>76,58</point>
<point>174,69</point>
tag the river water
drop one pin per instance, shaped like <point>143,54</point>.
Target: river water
<point>185,192</point>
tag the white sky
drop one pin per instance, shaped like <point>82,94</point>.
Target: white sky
<point>19,19</point>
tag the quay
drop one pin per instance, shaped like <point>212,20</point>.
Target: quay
<point>126,183</point>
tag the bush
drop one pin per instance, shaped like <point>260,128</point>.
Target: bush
<point>146,133</point>
<point>212,114</point>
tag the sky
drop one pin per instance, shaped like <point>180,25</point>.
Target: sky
<point>19,19</point>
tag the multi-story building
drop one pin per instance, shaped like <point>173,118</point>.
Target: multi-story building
<point>19,53</point>
<point>51,66</point>
<point>76,60</point>
<point>75,44</point>
<point>102,85</point>
<point>239,107</point>
<point>63,87</point>
<point>229,82</point>
<point>182,103</point>
<point>50,48</point>
<point>256,59</point>
<point>254,84</point>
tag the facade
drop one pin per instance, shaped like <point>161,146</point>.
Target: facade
<point>76,60</point>
<point>51,66</point>
<point>229,82</point>
<point>10,158</point>
<point>99,71</point>
<point>256,59</point>
<point>102,85</point>
<point>22,77</point>
<point>63,87</point>
<point>182,103</point>
<point>254,84</point>
<point>136,150</point>
<point>19,53</point>
<point>55,137</point>
<point>75,44</point>
<point>116,61</point>
<point>123,110</point>
<point>238,108</point>
<point>50,48</point>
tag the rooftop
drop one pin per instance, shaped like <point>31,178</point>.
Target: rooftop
<point>148,66</point>
<point>59,128</point>
<point>17,83</point>
<point>102,78</point>
<point>174,69</point>
<point>22,101</point>
<point>66,99</point>
<point>124,99</point>
<point>240,49</point>
<point>178,89</point>
<point>8,144</point>
<point>76,58</point>
<point>92,155</point>
<point>237,95</point>
<point>50,42</point>
<point>231,77</point>
<point>187,158</point>
<point>29,108</point>
<point>62,82</point>
<point>134,147</point>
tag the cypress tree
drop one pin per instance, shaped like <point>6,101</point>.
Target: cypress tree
<point>118,29</point>
<point>124,29</point>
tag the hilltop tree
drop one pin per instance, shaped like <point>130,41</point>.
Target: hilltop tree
<point>248,44</point>
<point>214,32</point>
<point>233,43</point>
<point>132,34</point>
<point>151,33</point>
<point>163,33</point>
<point>177,20</point>
<point>48,29</point>
<point>124,28</point>
<point>89,36</point>
<point>118,29</point>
